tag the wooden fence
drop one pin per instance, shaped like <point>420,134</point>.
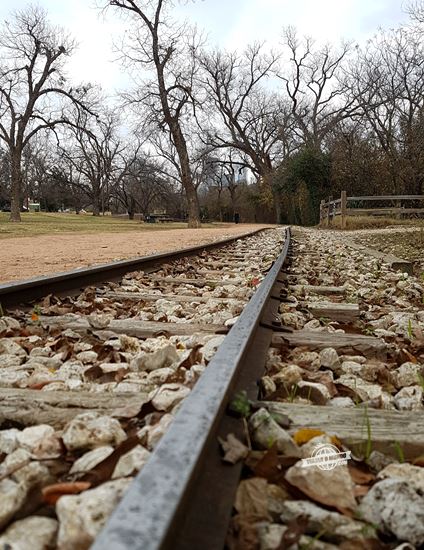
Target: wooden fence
<point>329,209</point>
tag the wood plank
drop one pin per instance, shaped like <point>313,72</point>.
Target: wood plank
<point>133,327</point>
<point>59,407</point>
<point>342,312</point>
<point>345,344</point>
<point>213,272</point>
<point>194,282</point>
<point>398,264</point>
<point>349,425</point>
<point>136,296</point>
<point>386,198</point>
<point>321,290</point>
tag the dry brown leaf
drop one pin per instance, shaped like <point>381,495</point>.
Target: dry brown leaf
<point>419,461</point>
<point>321,378</point>
<point>361,474</point>
<point>104,470</point>
<point>295,529</point>
<point>52,493</point>
<point>268,466</point>
<point>233,448</point>
<point>252,499</point>
<point>360,490</point>
<point>242,534</point>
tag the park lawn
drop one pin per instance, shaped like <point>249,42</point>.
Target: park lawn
<point>52,223</point>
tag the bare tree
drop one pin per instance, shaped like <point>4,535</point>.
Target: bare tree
<point>92,147</point>
<point>388,82</point>
<point>416,11</point>
<point>33,91</point>
<point>169,49</point>
<point>316,89</point>
<point>248,118</point>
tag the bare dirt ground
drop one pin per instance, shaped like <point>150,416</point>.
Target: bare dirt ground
<point>26,257</point>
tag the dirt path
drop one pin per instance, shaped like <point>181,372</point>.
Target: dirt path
<point>26,257</point>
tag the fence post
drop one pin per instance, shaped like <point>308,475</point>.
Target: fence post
<point>328,211</point>
<point>321,211</point>
<point>343,208</point>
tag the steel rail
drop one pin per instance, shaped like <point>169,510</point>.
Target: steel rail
<point>153,512</point>
<point>15,293</point>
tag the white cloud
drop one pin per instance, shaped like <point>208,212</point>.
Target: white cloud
<point>230,23</point>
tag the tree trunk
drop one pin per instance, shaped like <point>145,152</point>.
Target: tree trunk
<point>96,204</point>
<point>15,186</point>
<point>193,207</point>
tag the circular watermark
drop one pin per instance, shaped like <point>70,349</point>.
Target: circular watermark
<point>326,457</point>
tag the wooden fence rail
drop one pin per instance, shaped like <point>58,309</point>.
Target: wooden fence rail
<point>339,207</point>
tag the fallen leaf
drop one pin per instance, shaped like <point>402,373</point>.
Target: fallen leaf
<point>321,378</point>
<point>242,533</point>
<point>268,466</point>
<point>304,435</point>
<point>103,470</point>
<point>409,356</point>
<point>419,461</point>
<point>295,529</point>
<point>360,475</point>
<point>234,449</point>
<point>252,499</point>
<point>360,490</point>
<point>52,493</point>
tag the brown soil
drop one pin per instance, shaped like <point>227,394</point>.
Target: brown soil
<point>26,257</point>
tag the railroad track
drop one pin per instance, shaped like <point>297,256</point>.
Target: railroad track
<point>140,338</point>
<point>299,368</point>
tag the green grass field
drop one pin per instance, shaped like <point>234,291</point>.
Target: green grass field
<point>41,223</point>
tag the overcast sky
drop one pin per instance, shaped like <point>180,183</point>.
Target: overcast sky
<point>228,23</point>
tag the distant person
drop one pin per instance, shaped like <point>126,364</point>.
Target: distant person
<point>236,217</point>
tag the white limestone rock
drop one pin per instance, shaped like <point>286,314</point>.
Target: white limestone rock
<point>363,389</point>
<point>81,517</point>
<point>89,430</point>
<point>342,402</point>
<point>87,356</point>
<point>414,475</point>
<point>31,437</point>
<point>7,360</point>
<point>151,435</point>
<point>132,462</point>
<point>351,367</point>
<point>168,395</point>
<point>409,399</point>
<point>32,533</point>
<point>8,323</point>
<point>89,460</point>
<point>9,440</point>
<point>265,432</point>
<point>10,347</point>
<point>329,359</point>
<point>397,508</point>
<point>161,358</point>
<point>12,497</point>
<point>336,526</point>
<point>407,375</point>
<point>288,376</point>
